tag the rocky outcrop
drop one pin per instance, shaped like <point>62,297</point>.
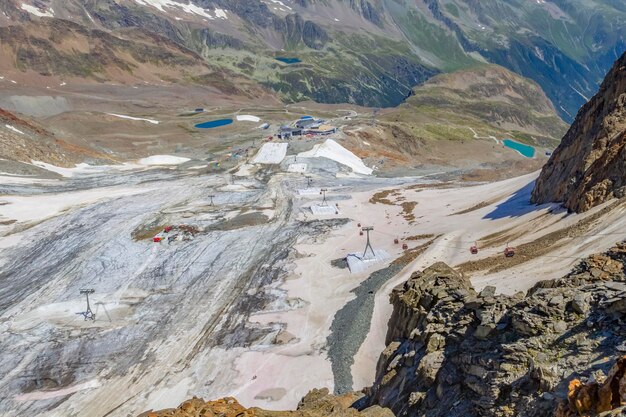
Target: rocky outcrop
<point>296,30</point>
<point>599,395</point>
<point>587,168</point>
<point>454,352</point>
<point>317,403</point>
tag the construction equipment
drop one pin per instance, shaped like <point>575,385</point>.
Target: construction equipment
<point>474,249</point>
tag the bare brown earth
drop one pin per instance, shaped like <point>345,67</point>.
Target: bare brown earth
<point>527,251</point>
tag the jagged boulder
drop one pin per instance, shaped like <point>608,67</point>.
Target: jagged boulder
<point>587,168</point>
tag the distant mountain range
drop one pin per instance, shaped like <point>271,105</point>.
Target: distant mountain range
<point>369,52</point>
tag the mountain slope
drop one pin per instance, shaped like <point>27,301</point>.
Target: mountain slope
<point>588,166</point>
<point>484,98</point>
<point>371,52</point>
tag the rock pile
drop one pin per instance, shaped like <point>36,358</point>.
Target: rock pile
<point>317,403</point>
<point>454,352</point>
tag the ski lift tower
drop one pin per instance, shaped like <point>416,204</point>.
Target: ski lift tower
<point>88,314</point>
<point>323,192</point>
<point>368,244</point>
<point>211,197</point>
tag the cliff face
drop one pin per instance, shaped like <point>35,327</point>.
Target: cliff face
<point>588,166</point>
<point>454,352</point>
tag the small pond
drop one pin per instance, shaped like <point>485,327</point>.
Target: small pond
<point>214,123</point>
<point>288,60</point>
<point>526,150</point>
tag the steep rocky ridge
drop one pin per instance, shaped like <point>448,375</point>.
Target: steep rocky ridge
<point>588,166</point>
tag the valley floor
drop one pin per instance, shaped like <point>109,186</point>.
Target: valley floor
<point>246,307</point>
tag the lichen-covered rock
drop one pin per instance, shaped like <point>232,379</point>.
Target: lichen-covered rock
<point>587,168</point>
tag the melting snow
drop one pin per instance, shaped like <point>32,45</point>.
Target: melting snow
<point>271,153</point>
<point>186,7</point>
<point>163,160</point>
<point>121,116</point>
<point>220,14</point>
<point>332,150</point>
<point>248,118</point>
<point>14,129</point>
<point>37,11</point>
<point>66,172</point>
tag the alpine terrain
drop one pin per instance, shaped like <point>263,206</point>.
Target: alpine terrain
<point>312,208</point>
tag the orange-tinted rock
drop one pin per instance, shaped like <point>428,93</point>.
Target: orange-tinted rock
<point>317,403</point>
<point>591,399</point>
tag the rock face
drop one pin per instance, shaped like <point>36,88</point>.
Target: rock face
<point>454,352</point>
<point>604,395</point>
<point>588,166</point>
<point>317,403</point>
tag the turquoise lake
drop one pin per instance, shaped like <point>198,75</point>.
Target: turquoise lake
<point>526,150</point>
<point>214,123</point>
<point>288,60</point>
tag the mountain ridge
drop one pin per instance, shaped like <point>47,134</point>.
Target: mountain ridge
<point>346,47</point>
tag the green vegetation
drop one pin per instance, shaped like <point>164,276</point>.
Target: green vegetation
<point>491,100</point>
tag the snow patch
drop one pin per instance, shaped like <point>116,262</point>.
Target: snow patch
<point>321,210</point>
<point>37,11</point>
<point>271,153</point>
<point>334,151</point>
<point>163,160</point>
<point>121,116</point>
<point>65,172</point>
<point>248,118</point>
<point>189,8</point>
<point>14,129</point>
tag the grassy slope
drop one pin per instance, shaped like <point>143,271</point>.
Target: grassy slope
<point>489,99</point>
